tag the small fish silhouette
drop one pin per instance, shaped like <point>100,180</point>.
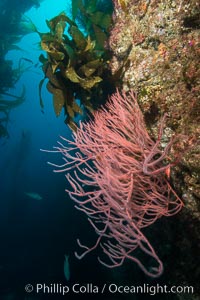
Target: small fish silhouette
<point>35,196</point>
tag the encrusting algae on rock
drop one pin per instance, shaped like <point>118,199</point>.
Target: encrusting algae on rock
<point>156,44</point>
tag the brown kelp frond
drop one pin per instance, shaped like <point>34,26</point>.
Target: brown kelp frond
<point>76,65</point>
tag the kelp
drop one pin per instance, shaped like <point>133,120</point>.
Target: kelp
<point>7,102</point>
<point>3,129</point>
<point>12,30</point>
<point>95,17</point>
<point>77,63</point>
<point>11,33</point>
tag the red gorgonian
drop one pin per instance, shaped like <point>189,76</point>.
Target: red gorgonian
<point>118,178</point>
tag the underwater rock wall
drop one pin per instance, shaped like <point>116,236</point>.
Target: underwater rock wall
<point>155,47</point>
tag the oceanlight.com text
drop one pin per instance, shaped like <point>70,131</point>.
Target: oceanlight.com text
<point>111,288</point>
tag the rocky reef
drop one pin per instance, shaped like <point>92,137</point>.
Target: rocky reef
<point>155,47</point>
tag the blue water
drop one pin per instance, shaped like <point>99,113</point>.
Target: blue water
<point>35,234</point>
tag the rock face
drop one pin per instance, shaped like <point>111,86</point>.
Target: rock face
<point>156,49</point>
